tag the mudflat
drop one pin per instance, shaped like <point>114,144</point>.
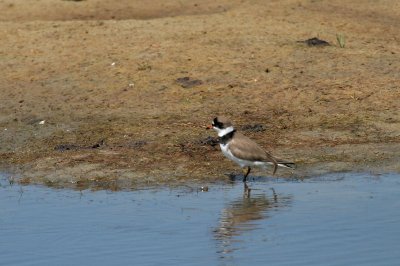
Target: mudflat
<point>103,93</point>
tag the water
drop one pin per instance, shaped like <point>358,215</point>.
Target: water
<point>340,219</point>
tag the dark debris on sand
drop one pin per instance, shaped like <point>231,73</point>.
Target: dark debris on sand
<point>187,82</point>
<point>315,42</point>
<point>253,128</point>
<point>69,146</point>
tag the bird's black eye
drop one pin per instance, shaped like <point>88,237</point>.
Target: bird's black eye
<point>217,124</point>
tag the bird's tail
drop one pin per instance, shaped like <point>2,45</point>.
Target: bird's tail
<point>286,164</point>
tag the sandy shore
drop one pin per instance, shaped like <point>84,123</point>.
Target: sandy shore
<point>96,93</point>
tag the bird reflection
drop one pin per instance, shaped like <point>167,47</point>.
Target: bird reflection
<point>240,216</point>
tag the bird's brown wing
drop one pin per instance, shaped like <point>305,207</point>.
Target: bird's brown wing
<point>244,148</point>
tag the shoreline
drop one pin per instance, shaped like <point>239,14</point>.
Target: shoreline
<point>88,97</point>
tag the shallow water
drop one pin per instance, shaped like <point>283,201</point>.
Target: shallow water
<point>339,219</point>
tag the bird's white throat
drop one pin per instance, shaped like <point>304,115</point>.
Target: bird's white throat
<point>223,132</point>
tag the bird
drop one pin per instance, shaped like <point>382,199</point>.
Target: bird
<point>242,150</point>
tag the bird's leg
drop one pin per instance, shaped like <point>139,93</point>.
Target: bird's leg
<point>275,167</point>
<point>246,174</point>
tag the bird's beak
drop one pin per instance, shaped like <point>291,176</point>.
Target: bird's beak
<point>209,127</point>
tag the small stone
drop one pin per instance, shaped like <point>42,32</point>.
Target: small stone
<point>187,82</point>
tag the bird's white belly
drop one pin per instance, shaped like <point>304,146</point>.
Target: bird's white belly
<point>241,162</point>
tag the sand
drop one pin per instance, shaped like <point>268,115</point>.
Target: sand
<point>95,93</point>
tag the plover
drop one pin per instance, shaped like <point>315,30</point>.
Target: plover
<point>242,150</point>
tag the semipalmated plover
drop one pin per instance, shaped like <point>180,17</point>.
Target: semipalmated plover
<point>242,150</point>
